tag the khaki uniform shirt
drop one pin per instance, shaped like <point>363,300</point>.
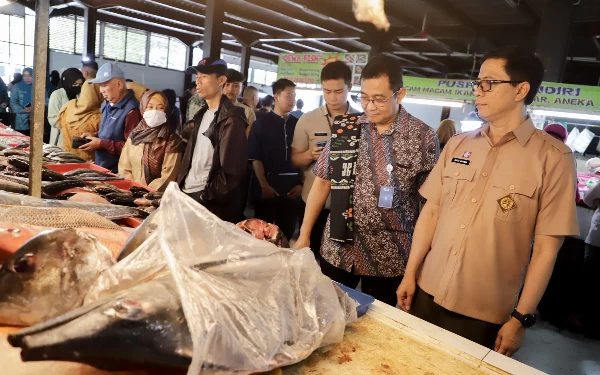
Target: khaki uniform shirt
<point>131,166</point>
<point>493,199</point>
<point>313,127</point>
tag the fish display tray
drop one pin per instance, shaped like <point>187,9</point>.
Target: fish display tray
<point>362,300</point>
<point>127,184</point>
<point>64,168</point>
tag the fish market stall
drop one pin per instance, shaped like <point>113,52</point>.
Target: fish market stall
<point>205,294</point>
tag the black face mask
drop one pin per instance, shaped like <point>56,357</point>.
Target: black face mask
<point>73,91</point>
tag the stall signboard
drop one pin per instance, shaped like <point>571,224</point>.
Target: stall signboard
<point>306,68</point>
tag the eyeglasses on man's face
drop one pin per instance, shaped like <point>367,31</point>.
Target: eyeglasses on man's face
<point>365,100</point>
<point>486,84</point>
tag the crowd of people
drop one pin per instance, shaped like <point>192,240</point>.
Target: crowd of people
<point>446,236</point>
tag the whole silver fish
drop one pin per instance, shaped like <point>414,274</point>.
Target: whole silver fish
<point>107,211</point>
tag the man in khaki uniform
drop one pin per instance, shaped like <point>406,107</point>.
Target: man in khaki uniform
<point>314,130</point>
<point>233,90</point>
<point>491,193</point>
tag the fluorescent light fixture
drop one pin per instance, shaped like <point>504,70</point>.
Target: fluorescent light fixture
<point>413,39</point>
<point>579,116</point>
<point>440,103</point>
<point>466,126</point>
<point>471,122</point>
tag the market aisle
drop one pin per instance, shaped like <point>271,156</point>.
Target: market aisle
<point>559,352</point>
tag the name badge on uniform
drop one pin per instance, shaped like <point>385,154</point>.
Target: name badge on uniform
<point>461,161</point>
<point>321,134</point>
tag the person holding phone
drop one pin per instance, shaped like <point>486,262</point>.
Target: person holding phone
<point>314,130</point>
<point>20,101</point>
<point>277,185</point>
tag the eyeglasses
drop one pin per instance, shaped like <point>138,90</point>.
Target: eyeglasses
<point>365,100</point>
<point>486,84</point>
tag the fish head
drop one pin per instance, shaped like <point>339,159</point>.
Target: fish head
<point>50,275</point>
<point>148,317</point>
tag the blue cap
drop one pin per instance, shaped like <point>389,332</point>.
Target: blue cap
<point>107,72</point>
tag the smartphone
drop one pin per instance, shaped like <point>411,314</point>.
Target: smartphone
<point>321,143</point>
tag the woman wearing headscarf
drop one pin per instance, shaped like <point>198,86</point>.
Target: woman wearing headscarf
<point>445,131</point>
<point>78,116</point>
<point>153,152</point>
<point>69,88</point>
<point>20,101</point>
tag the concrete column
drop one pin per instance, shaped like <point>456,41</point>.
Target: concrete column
<point>89,30</point>
<point>245,64</point>
<point>213,28</point>
<point>380,42</point>
<point>553,37</point>
<point>190,62</point>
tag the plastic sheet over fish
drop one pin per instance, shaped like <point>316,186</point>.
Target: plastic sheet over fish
<point>250,306</point>
<point>107,211</point>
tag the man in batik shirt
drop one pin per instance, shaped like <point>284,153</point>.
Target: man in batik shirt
<point>373,166</point>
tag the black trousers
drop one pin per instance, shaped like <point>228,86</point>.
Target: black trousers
<point>478,331</point>
<point>382,288</point>
<point>281,211</point>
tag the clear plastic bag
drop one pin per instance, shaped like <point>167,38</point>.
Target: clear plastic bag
<point>250,306</point>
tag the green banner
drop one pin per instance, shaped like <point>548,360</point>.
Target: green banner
<point>306,68</point>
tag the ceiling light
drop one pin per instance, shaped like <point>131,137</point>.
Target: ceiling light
<point>440,103</point>
<point>413,39</point>
<point>578,116</point>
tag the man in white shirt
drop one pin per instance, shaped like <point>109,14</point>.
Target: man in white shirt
<point>314,130</point>
<point>213,169</point>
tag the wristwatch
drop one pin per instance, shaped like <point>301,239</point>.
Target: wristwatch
<point>527,320</point>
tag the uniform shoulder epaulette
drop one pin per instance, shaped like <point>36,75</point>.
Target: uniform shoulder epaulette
<point>561,146</point>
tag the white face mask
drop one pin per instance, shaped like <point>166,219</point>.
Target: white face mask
<point>155,118</point>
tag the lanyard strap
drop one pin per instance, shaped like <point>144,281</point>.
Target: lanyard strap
<point>329,113</point>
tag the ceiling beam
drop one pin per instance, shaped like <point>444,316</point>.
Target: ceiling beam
<point>527,11</point>
<point>447,8</point>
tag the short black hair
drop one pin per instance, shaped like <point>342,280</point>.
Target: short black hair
<point>282,84</point>
<point>384,66</point>
<point>235,76</point>
<point>268,101</point>
<point>300,103</point>
<point>90,64</point>
<point>128,80</point>
<point>521,65</point>
<point>337,70</point>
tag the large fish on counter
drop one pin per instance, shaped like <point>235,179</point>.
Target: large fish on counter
<point>111,212</point>
<point>50,275</point>
<point>54,217</point>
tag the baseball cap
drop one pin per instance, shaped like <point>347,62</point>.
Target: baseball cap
<point>107,72</point>
<point>557,131</point>
<point>209,65</point>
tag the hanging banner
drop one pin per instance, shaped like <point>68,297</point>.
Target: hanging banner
<point>306,68</point>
